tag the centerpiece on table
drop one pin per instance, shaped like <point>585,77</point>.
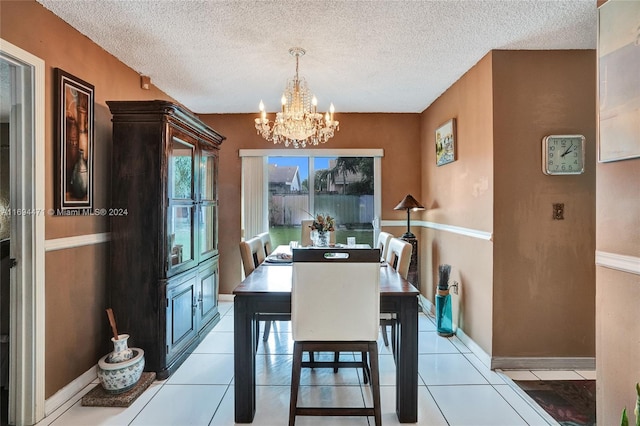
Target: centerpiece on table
<point>323,225</point>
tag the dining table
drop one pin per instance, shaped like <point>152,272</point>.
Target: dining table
<point>267,290</point>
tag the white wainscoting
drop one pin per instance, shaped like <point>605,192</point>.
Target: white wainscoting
<point>473,233</point>
<point>79,241</point>
<point>618,262</point>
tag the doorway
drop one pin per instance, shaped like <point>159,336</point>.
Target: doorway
<point>22,174</point>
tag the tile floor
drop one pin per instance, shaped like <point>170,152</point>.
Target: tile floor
<point>455,388</point>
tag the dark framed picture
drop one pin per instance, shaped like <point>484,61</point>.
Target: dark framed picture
<point>74,111</point>
<point>618,88</point>
<point>446,143</point>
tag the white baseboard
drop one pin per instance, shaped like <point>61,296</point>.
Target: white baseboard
<point>226,297</point>
<point>516,363</point>
<point>484,357</point>
<point>58,399</point>
<point>543,363</point>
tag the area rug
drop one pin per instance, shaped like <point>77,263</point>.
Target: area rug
<point>569,402</point>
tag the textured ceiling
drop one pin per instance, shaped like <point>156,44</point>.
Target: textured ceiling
<point>364,56</point>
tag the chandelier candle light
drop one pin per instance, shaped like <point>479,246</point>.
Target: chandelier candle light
<point>299,123</point>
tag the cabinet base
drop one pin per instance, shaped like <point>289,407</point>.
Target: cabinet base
<point>177,362</point>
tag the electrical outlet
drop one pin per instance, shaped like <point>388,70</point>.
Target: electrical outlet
<point>558,211</point>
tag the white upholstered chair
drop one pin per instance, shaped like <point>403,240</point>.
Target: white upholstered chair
<point>252,254</point>
<point>335,306</point>
<point>398,257</point>
<point>305,234</point>
<point>265,237</point>
<point>383,243</point>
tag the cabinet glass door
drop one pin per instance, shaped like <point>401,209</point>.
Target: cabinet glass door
<point>181,240</point>
<point>182,206</point>
<point>208,175</point>
<point>181,170</point>
<point>208,230</point>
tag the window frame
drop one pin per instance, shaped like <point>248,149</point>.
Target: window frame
<point>249,219</point>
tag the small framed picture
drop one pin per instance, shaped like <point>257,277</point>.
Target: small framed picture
<point>74,137</point>
<point>446,143</point>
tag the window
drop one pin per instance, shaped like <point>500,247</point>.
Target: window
<point>295,184</point>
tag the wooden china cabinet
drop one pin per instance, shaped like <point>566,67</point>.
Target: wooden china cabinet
<point>164,229</point>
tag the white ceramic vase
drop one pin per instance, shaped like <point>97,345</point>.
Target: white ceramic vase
<point>121,351</point>
<point>119,377</point>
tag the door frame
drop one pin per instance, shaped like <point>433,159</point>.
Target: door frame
<point>27,301</point>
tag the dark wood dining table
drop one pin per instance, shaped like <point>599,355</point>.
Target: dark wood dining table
<point>268,290</point>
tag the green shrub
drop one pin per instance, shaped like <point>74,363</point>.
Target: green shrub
<point>625,420</point>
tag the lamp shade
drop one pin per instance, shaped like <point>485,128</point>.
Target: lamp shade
<point>409,203</point>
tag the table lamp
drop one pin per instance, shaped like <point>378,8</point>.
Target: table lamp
<point>409,203</point>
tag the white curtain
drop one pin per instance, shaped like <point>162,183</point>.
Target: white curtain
<point>254,196</point>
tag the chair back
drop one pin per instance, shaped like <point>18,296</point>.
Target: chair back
<point>265,237</point>
<point>305,237</point>
<point>399,255</point>
<point>305,233</point>
<point>335,294</point>
<point>383,243</point>
<point>252,253</point>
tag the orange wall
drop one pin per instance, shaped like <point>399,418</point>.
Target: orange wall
<point>504,106</point>
<point>461,194</point>
<point>543,268</point>
<point>396,134</point>
<point>77,331</point>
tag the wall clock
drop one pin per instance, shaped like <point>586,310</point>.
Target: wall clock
<point>563,154</point>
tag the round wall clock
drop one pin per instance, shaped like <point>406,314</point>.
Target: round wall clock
<point>563,155</point>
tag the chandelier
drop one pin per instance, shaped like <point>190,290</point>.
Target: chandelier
<point>299,123</point>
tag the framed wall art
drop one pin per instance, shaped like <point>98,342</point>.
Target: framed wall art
<point>446,143</point>
<point>74,110</point>
<point>618,80</point>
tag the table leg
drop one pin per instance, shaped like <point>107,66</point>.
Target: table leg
<point>244,361</point>
<point>407,361</point>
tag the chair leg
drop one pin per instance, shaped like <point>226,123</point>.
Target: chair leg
<point>295,381</point>
<point>375,382</point>
<point>267,328</point>
<point>366,371</point>
<point>336,358</point>
<point>383,328</point>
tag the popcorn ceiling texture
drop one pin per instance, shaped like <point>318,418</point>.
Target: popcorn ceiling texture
<point>364,56</point>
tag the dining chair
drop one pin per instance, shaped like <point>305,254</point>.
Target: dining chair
<point>305,234</point>
<point>252,252</point>
<point>399,258</point>
<point>385,318</point>
<point>265,237</point>
<point>383,243</point>
<point>335,307</point>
